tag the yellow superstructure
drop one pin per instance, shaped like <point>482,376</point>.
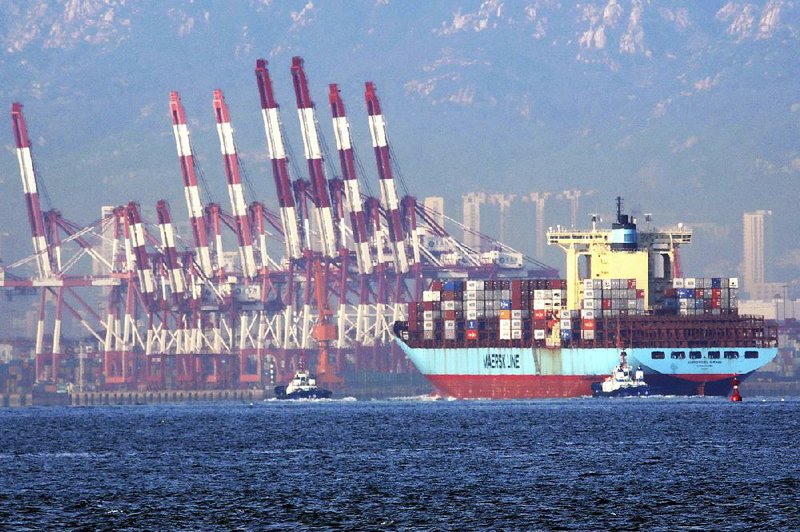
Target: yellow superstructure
<point>649,258</point>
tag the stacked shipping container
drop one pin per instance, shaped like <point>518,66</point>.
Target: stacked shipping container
<point>702,296</point>
<point>518,309</point>
<point>534,312</point>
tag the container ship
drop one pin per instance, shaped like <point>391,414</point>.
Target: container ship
<point>548,338</point>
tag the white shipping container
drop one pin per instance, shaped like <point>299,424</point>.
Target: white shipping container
<point>471,314</point>
<point>505,335</point>
<point>677,282</point>
<point>538,294</point>
<point>516,324</point>
<point>516,314</point>
<point>587,284</point>
<point>538,334</point>
<point>516,334</point>
<point>606,284</point>
<point>588,303</point>
<point>473,285</point>
<point>471,305</point>
<point>449,325</point>
<point>587,335</point>
<point>538,304</point>
<point>564,314</point>
<point>448,305</point>
<point>588,294</point>
<point>470,295</point>
<point>427,314</point>
<point>566,324</point>
<point>556,294</point>
<point>588,314</point>
<point>427,325</point>
<point>430,295</point>
<point>505,325</point>
<point>733,282</point>
<point>450,334</point>
<point>690,282</point>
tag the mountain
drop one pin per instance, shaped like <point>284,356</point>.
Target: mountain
<point>687,109</point>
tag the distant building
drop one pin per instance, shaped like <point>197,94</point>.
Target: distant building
<point>753,272</point>
<point>472,218</point>
<point>106,231</point>
<point>435,205</point>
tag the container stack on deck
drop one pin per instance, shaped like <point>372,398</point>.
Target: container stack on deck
<point>533,312</point>
<point>703,296</point>
<point>475,310</point>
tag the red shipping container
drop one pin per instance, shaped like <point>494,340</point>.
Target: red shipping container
<point>449,314</point>
<point>640,293</point>
<point>472,334</point>
<point>698,293</point>
<point>631,283</point>
<point>716,293</point>
<point>716,303</point>
<point>606,304</point>
<point>427,305</point>
<point>538,314</point>
<point>436,286</point>
<point>588,325</point>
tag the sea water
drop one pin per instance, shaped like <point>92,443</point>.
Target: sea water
<point>410,464</point>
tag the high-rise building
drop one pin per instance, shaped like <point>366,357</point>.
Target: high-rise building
<point>472,218</point>
<point>435,205</point>
<point>106,249</point>
<point>753,273</point>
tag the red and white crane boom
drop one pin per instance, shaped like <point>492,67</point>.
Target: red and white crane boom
<point>389,199</point>
<point>277,154</point>
<point>235,190</point>
<point>138,245</point>
<point>181,131</point>
<point>29,186</point>
<point>352,194</point>
<point>175,273</point>
<point>319,183</point>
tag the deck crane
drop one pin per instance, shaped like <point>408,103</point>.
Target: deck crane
<point>316,171</point>
<point>277,154</point>
<point>195,206</point>
<point>235,190</point>
<point>389,199</point>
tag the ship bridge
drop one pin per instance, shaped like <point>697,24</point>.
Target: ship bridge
<point>651,260</point>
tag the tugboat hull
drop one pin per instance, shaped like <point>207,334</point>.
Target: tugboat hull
<point>637,391</point>
<point>319,393</point>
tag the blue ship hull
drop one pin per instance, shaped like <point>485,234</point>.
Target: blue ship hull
<point>514,372</point>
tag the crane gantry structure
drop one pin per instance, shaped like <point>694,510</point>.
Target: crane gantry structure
<point>183,316</point>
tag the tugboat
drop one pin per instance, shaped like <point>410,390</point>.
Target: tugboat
<point>302,386</point>
<point>623,382</point>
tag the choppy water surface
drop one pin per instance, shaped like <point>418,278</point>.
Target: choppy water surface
<point>650,464</point>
